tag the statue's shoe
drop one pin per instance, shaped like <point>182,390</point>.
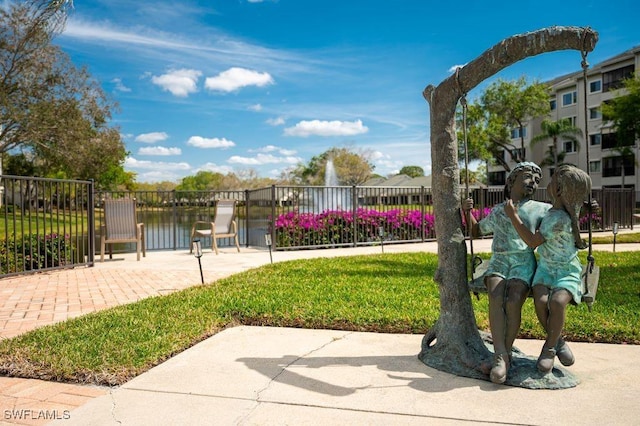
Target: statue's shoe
<point>564,354</point>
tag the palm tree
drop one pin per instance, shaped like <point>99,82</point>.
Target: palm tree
<point>554,130</point>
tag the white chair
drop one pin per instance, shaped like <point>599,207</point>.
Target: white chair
<point>223,225</point>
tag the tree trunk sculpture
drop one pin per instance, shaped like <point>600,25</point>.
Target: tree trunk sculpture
<point>454,344</point>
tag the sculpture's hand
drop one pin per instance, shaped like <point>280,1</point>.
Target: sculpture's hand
<point>467,204</point>
<point>510,209</point>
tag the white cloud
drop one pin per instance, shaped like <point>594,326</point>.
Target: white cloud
<point>326,128</point>
<point>180,82</point>
<point>261,159</point>
<point>453,68</point>
<point>212,167</point>
<point>120,87</point>
<point>236,78</point>
<point>376,155</point>
<point>152,137</point>
<point>158,176</point>
<point>273,148</point>
<point>155,165</point>
<point>159,150</point>
<point>279,121</point>
<point>200,142</point>
<point>256,107</point>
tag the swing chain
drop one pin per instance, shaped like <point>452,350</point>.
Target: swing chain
<point>475,260</point>
<point>585,66</point>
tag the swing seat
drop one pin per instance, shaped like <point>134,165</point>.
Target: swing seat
<point>476,285</point>
<point>589,280</point>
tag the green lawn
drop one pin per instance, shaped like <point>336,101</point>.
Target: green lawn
<point>393,293</point>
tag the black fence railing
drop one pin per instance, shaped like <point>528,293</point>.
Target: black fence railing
<point>45,224</point>
<point>52,224</point>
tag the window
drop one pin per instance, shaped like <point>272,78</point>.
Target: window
<point>610,140</point>
<point>612,166</point>
<point>595,86</point>
<point>595,139</point>
<point>569,146</point>
<point>595,113</point>
<point>515,133</point>
<point>573,120</point>
<point>497,178</point>
<point>613,79</point>
<point>595,166</point>
<point>569,98</point>
<point>552,104</point>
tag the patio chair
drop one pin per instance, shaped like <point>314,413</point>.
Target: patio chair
<point>121,226</point>
<point>223,225</point>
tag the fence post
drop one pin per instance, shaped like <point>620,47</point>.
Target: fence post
<point>354,212</point>
<point>175,221</point>
<point>91,212</point>
<point>272,224</point>
<point>247,226</point>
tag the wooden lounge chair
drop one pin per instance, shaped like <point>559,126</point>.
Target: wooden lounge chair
<point>223,225</point>
<point>121,226</point>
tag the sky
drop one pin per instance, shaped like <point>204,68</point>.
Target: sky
<point>263,85</point>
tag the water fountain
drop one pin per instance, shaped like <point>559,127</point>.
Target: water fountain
<point>330,197</point>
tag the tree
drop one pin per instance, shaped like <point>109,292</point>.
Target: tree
<point>202,181</point>
<point>624,113</point>
<point>412,171</point>
<point>453,344</point>
<point>515,102</point>
<point>352,168</point>
<point>554,130</point>
<point>47,105</point>
<point>487,136</point>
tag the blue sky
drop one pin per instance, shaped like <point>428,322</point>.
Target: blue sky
<point>234,85</point>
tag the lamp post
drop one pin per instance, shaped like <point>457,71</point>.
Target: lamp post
<point>197,252</point>
<point>381,235</point>
<point>267,239</point>
<point>615,232</point>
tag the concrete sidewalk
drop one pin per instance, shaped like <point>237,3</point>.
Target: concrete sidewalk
<point>275,376</point>
<point>37,300</point>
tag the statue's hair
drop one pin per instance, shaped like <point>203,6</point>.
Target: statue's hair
<point>519,168</point>
<point>574,188</point>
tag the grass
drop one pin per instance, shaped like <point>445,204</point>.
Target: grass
<point>392,293</point>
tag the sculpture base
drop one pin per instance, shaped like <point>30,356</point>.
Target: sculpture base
<point>522,371</point>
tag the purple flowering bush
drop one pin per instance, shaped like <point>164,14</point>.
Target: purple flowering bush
<point>339,227</point>
<point>596,221</point>
<point>477,215</point>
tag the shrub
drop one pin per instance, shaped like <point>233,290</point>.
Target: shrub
<point>33,252</point>
<point>339,227</point>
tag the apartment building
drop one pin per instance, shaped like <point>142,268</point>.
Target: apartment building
<point>605,164</point>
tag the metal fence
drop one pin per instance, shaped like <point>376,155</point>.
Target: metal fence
<point>46,224</point>
<point>616,205</point>
<point>303,217</point>
<point>169,215</point>
<point>51,224</point>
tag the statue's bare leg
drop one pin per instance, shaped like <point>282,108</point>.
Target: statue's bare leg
<point>552,307</point>
<point>517,292</point>
<point>541,304</point>
<point>496,287</point>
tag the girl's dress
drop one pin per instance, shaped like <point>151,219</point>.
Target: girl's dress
<point>558,263</point>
